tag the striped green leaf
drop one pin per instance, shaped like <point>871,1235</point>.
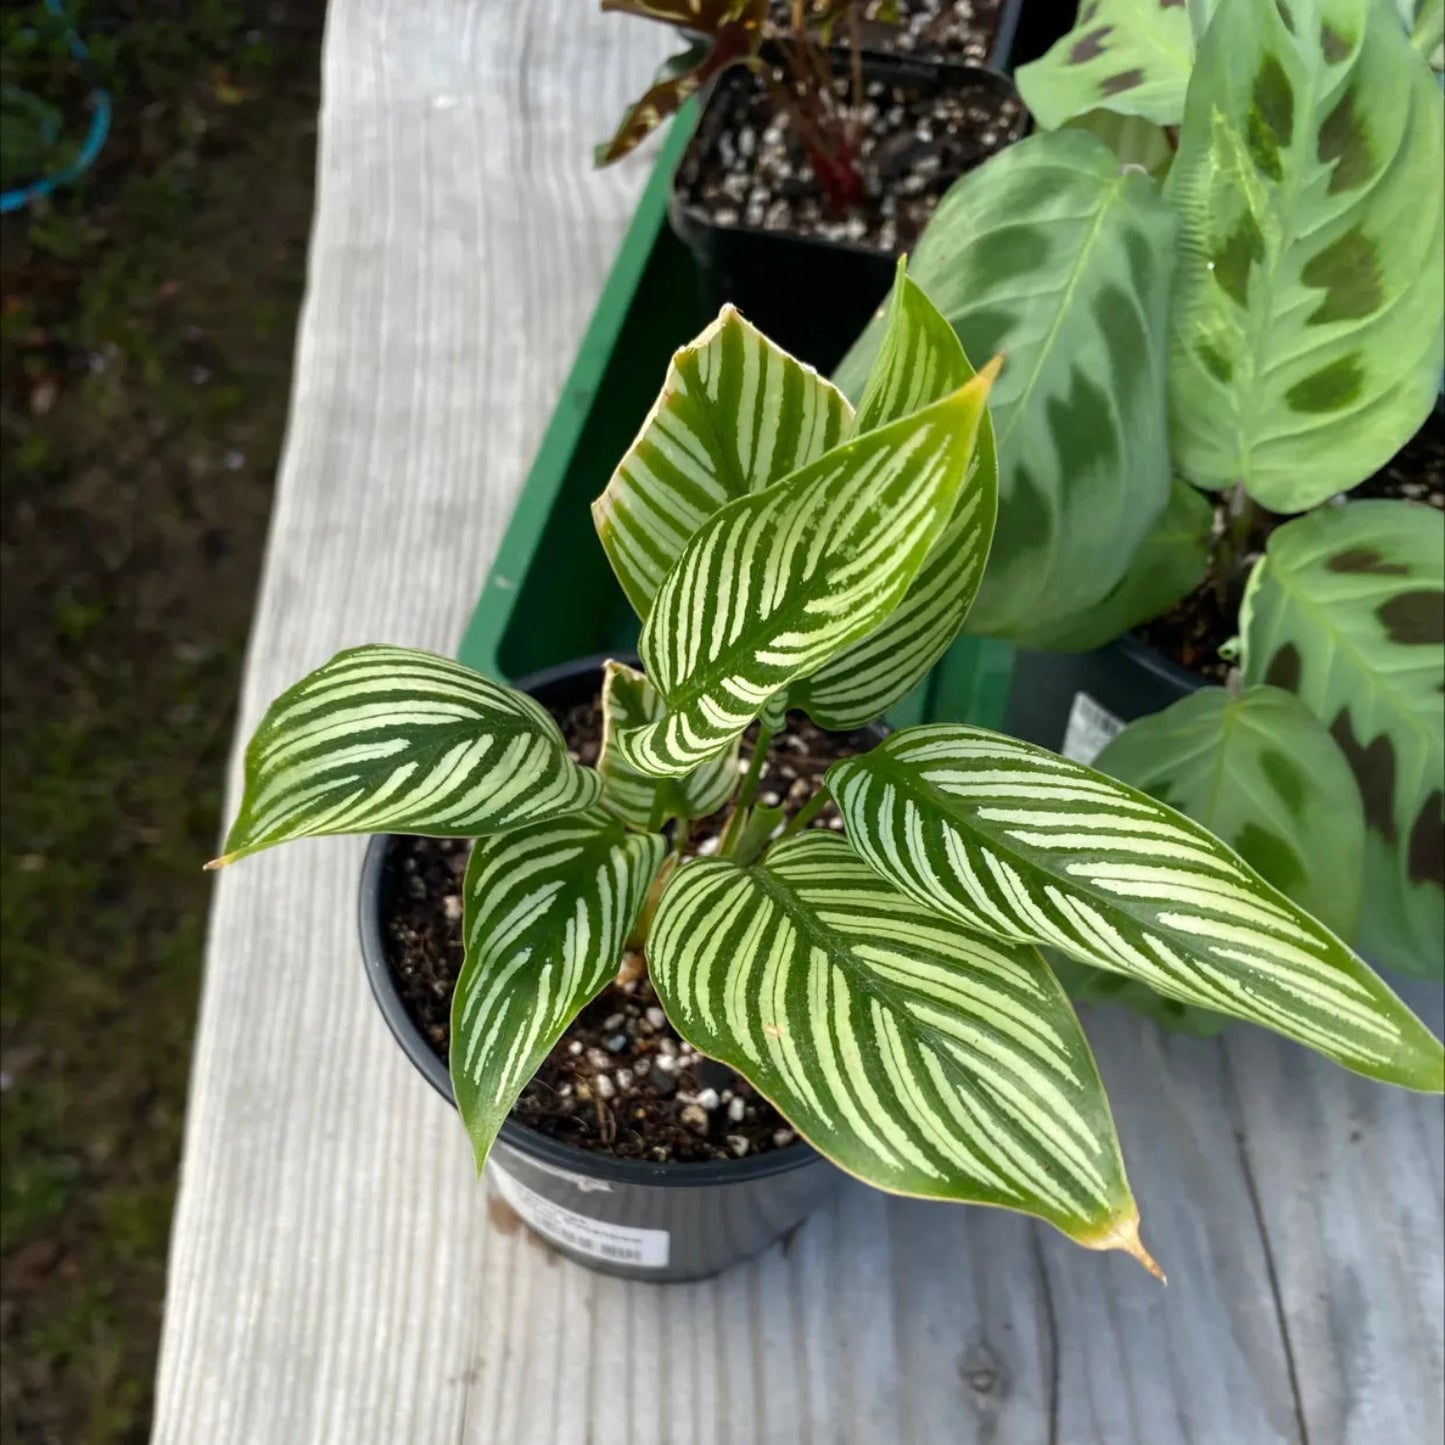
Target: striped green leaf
<point>777,582</point>
<point>630,701</point>
<point>1054,257</point>
<point>384,739</point>
<point>1132,57</point>
<point>924,1059</point>
<point>1347,609</point>
<point>1262,774</point>
<point>1003,836</point>
<point>1168,565</point>
<point>735,414</point>
<point>919,362</point>
<point>547,909</point>
<point>1307,334</point>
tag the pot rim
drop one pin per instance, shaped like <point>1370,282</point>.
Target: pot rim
<point>524,1140</point>
<point>1151,659</point>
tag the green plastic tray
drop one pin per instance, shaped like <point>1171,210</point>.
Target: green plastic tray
<point>551,596</point>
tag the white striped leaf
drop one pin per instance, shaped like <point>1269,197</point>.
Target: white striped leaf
<point>384,739</point>
<point>735,414</point>
<point>1007,837</point>
<point>547,911</point>
<point>777,582</point>
<point>630,701</point>
<point>923,1059</point>
<point>920,361</point>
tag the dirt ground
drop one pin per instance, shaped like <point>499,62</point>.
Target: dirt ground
<point>148,321</point>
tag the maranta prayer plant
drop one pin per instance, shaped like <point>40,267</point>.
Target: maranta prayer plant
<point>885,989</point>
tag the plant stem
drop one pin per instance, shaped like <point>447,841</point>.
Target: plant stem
<point>1241,518</point>
<point>747,792</point>
<point>805,814</point>
<point>680,836</point>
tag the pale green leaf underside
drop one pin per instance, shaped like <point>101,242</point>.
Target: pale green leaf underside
<point>384,739</point>
<point>1262,774</point>
<point>735,414</point>
<point>1168,564</point>
<point>1347,609</point>
<point>1128,56</point>
<point>776,583</point>
<point>630,701</point>
<point>547,911</point>
<point>919,362</point>
<point>1052,256</point>
<point>1013,839</point>
<point>1307,327</point>
<point>923,1059</point>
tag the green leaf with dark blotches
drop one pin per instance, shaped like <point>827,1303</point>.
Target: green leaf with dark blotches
<point>1135,141</point>
<point>1347,609</point>
<point>1309,310</point>
<point>1168,565</point>
<point>1263,775</point>
<point>1128,56</point>
<point>1051,255</point>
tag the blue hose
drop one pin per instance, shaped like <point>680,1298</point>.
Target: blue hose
<point>90,148</point>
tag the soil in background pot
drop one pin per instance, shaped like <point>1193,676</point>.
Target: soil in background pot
<point>620,1081</point>
<point>956,30</point>
<point>916,137</point>
<point>1192,632</point>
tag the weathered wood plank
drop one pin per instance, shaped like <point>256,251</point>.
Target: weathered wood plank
<point>336,1275</point>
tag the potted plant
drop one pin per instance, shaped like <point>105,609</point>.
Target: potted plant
<point>815,164</point>
<point>1201,511</point>
<point>797,564</point>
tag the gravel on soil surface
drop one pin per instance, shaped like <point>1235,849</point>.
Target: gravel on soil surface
<point>933,29</point>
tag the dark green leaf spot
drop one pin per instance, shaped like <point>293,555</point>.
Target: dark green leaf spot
<point>1237,253</point>
<point>1365,559</point>
<point>1426,859</point>
<point>1374,770</point>
<point>1089,11</point>
<point>1171,4</point>
<point>1348,271</point>
<point>1335,47</point>
<point>1082,427</point>
<point>1284,668</point>
<point>1343,140</point>
<point>1216,363</point>
<point>1415,619</point>
<point>1124,337</point>
<point>1271,118</point>
<point>1089,45</point>
<point>1331,388</point>
<point>1286,15</point>
<point>1124,80</point>
<point>983,332</point>
<point>1270,856</point>
<point>1283,775</point>
<point>1004,255</point>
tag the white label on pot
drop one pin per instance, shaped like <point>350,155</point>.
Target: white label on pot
<point>615,1243</point>
<point>1090,729</point>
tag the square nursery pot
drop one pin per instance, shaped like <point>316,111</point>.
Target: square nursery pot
<point>550,595</point>
<point>640,1220</point>
<point>749,210</point>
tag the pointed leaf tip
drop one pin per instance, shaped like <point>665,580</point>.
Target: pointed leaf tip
<point>1123,1235</point>
<point>216,864</point>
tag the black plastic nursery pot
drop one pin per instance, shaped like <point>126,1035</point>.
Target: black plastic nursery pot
<point>1076,702</point>
<point>811,294</point>
<point>639,1220</point>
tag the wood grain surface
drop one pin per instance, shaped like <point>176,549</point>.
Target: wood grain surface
<point>335,1273</point>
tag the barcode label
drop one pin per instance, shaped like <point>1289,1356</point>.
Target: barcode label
<point>647,1248</point>
<point>1091,726</point>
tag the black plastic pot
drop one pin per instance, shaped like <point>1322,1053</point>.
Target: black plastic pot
<point>1075,702</point>
<point>658,1222</point>
<point>810,295</point>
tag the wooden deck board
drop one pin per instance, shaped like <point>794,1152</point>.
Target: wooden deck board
<point>335,1275</point>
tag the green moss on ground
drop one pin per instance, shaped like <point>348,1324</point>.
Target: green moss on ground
<point>145,354</point>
